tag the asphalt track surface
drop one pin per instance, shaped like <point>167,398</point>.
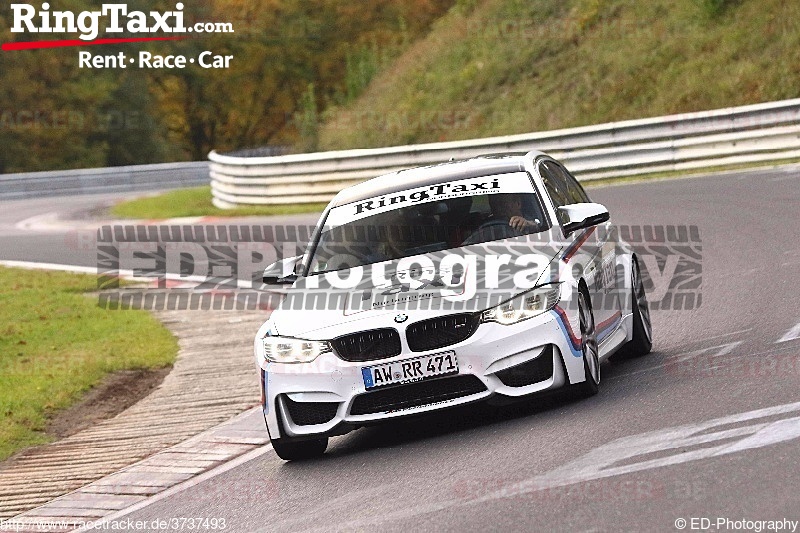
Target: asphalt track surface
<point>707,426</point>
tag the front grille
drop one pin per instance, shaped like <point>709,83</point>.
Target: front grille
<point>368,345</point>
<point>529,372</point>
<point>441,331</point>
<point>416,394</point>
<point>310,413</point>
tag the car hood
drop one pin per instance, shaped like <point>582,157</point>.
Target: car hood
<point>386,294</point>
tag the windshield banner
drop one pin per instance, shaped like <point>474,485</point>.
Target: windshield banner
<point>515,182</point>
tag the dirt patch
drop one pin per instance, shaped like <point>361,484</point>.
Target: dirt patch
<point>114,394</point>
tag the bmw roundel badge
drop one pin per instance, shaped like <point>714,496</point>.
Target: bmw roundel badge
<point>401,318</point>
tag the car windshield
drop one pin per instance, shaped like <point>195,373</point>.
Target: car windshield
<point>427,220</point>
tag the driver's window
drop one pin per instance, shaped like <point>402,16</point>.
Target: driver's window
<point>574,190</point>
<point>556,186</point>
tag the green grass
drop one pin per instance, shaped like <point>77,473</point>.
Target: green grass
<point>515,66</point>
<point>56,344</point>
<point>196,202</point>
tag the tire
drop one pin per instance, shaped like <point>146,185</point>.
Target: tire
<point>642,341</point>
<point>591,352</point>
<point>301,449</point>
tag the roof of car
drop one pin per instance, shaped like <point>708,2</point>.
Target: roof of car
<point>485,165</point>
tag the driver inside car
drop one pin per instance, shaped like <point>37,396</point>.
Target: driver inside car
<point>509,206</point>
<point>507,219</point>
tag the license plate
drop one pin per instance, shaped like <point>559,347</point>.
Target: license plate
<point>409,370</point>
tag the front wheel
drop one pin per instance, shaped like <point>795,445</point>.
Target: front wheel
<point>642,340</point>
<point>591,352</point>
<point>300,450</point>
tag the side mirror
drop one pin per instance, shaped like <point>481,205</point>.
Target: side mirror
<point>580,216</point>
<point>281,272</point>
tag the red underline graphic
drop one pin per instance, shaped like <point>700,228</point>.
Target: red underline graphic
<point>62,44</point>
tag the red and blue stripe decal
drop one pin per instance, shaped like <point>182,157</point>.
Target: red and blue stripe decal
<point>573,248</point>
<point>575,343</point>
<point>607,327</point>
<point>604,329</point>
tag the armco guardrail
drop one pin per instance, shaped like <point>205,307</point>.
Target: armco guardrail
<point>103,180</point>
<point>756,133</point>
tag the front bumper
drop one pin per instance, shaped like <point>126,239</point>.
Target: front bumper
<point>328,396</point>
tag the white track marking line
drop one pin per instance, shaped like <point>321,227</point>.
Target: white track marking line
<point>242,459</point>
<point>36,220</point>
<point>604,460</point>
<point>713,337</point>
<point>790,335</point>
<point>729,334</point>
<point>49,266</point>
<point>771,351</point>
<point>127,275</point>
<point>722,349</point>
<point>50,222</point>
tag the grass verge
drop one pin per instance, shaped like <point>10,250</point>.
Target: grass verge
<point>196,202</point>
<point>56,344</point>
<point>516,66</point>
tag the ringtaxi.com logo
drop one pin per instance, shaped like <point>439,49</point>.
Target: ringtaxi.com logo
<point>110,21</point>
<point>119,19</point>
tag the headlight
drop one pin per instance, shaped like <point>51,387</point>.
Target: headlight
<point>525,306</point>
<point>288,350</point>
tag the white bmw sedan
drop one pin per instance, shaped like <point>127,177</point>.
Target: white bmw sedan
<point>494,278</point>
